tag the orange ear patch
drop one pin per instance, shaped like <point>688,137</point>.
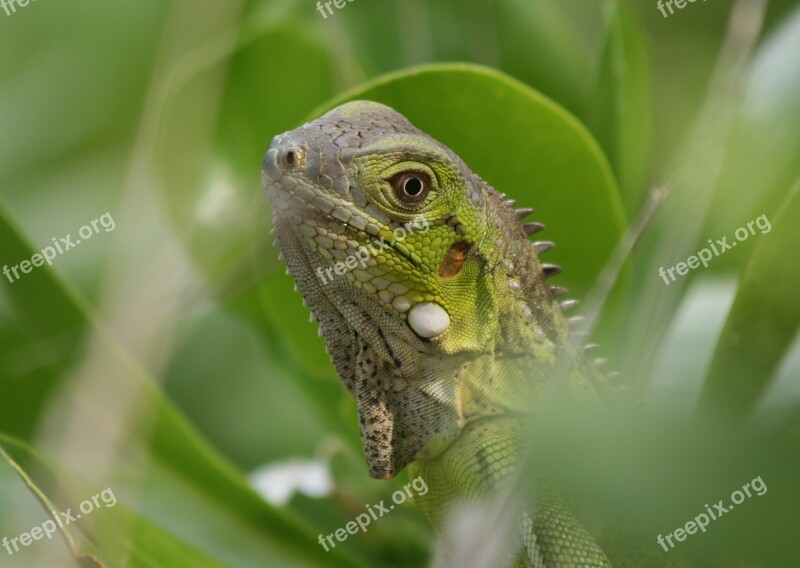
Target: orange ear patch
<point>454,260</point>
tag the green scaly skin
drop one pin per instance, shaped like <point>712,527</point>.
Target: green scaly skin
<point>446,394</point>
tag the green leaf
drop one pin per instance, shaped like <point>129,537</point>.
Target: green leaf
<point>101,73</point>
<point>622,111</point>
<point>763,321</point>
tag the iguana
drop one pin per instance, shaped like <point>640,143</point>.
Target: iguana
<point>436,312</point>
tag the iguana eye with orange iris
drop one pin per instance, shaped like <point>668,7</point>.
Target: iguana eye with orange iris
<point>411,187</point>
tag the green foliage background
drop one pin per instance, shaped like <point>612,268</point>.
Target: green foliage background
<point>168,358</point>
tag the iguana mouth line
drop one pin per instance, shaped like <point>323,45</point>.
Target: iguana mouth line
<point>306,204</point>
<point>310,207</point>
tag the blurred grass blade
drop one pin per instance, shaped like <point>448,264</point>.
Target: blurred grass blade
<point>764,156</point>
<point>763,321</point>
<point>54,327</point>
<point>622,114</point>
<point>227,223</point>
<point>101,539</point>
<point>689,191</point>
<point>227,230</point>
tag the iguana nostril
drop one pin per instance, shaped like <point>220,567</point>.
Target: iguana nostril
<point>282,157</point>
<point>291,158</point>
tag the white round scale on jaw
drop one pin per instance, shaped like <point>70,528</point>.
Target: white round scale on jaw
<point>428,319</point>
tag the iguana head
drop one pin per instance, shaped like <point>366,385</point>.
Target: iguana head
<point>413,266</point>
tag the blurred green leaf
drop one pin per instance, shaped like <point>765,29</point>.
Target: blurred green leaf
<point>622,113</point>
<point>763,321</point>
<point>100,72</point>
<point>641,474</point>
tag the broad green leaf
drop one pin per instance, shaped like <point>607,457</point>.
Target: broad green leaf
<point>622,120</point>
<point>540,43</point>
<point>763,321</point>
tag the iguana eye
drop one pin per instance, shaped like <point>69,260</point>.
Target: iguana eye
<point>411,187</point>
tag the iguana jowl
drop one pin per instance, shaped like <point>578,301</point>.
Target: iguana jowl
<point>447,334</point>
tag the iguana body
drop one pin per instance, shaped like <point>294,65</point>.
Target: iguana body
<point>448,330</point>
